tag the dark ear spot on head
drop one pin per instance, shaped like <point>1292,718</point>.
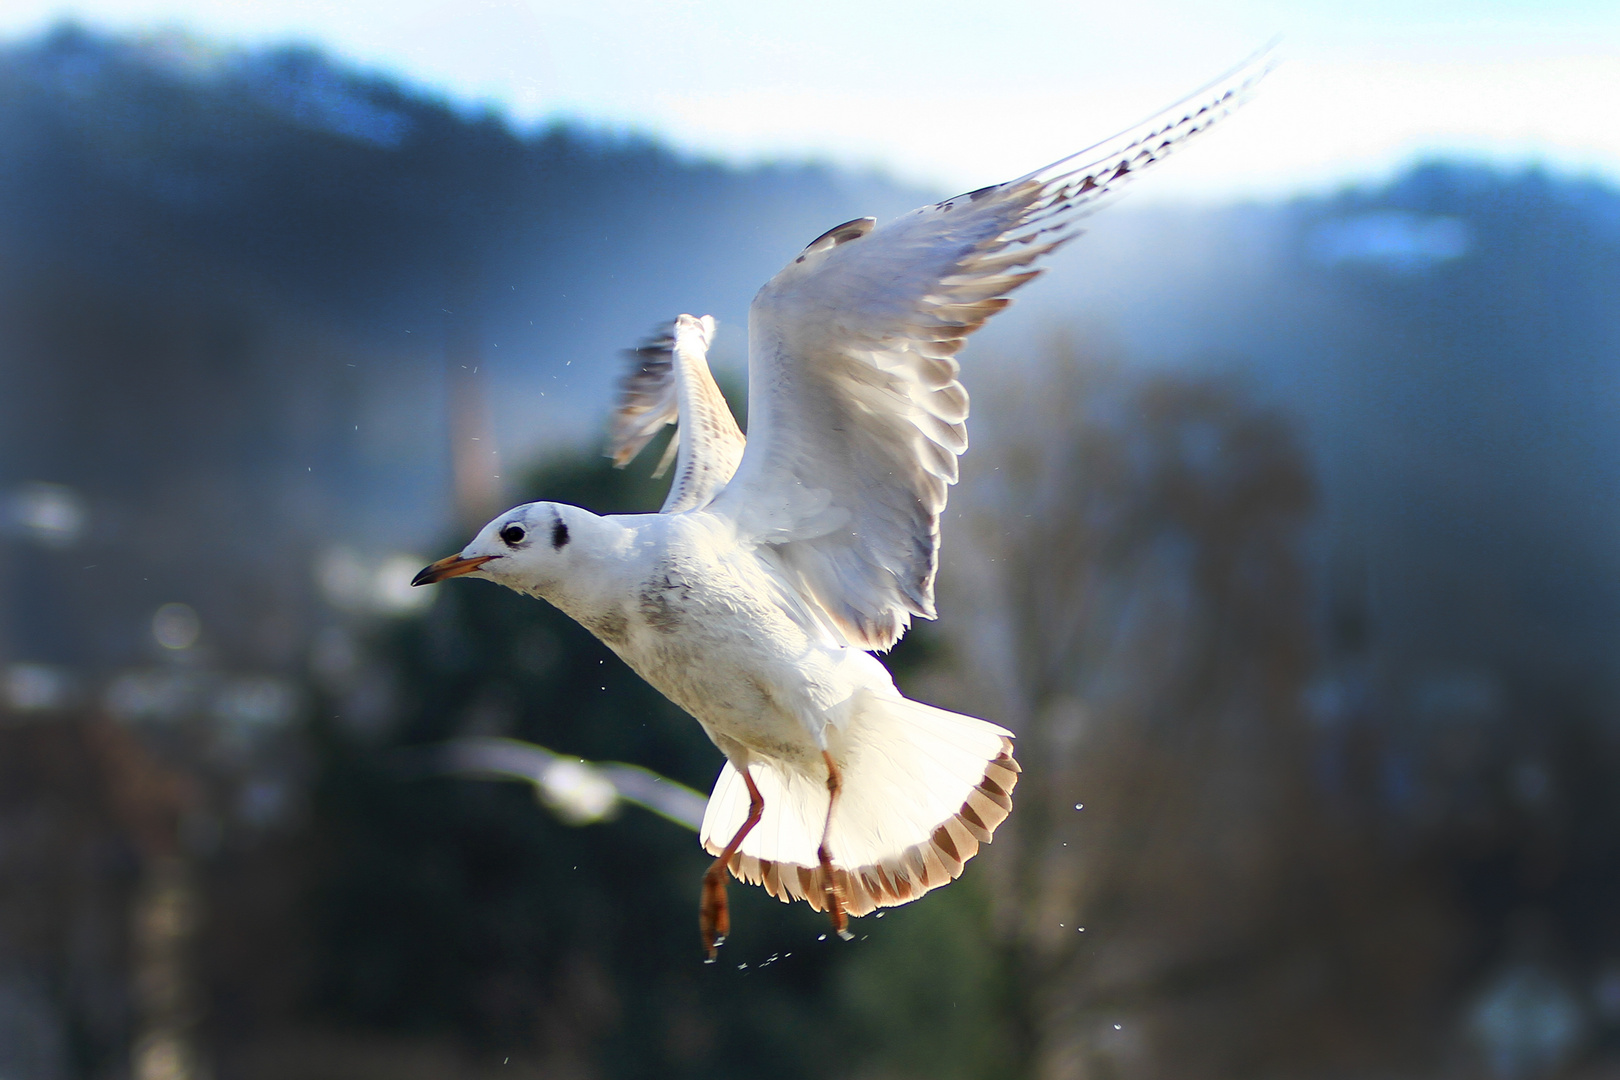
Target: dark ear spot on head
<point>559,535</point>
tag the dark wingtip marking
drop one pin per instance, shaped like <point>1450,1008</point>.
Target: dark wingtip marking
<point>840,234</point>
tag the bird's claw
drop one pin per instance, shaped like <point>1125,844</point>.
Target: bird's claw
<point>835,910</point>
<point>714,914</point>
<point>840,921</point>
<point>833,895</point>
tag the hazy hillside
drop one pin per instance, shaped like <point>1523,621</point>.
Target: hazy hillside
<point>1451,347</point>
<point>234,285</point>
<point>235,289</point>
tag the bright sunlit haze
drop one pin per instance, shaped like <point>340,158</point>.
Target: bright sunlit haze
<point>953,96</point>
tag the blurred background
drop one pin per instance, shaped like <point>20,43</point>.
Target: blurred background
<point>1289,543</point>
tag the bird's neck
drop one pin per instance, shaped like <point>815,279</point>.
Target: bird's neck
<point>598,571</point>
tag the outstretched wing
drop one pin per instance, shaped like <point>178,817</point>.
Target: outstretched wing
<point>669,383</point>
<point>856,413</point>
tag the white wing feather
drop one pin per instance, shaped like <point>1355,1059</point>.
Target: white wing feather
<point>670,383</point>
<point>856,412</point>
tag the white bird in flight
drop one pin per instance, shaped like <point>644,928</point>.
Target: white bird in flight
<point>753,597</point>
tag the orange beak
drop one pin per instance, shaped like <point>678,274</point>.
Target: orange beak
<point>448,567</point>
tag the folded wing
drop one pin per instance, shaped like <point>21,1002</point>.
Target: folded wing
<point>856,412</point>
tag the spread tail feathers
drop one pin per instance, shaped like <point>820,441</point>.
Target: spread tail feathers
<point>922,789</point>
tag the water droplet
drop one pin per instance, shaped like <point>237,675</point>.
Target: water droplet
<point>1079,806</point>
<point>1116,1027</point>
<point>823,937</point>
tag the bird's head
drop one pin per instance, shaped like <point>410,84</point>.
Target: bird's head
<point>531,548</point>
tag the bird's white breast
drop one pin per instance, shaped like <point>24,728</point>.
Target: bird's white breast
<point>707,623</point>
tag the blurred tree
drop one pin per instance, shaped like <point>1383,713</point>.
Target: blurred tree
<point>464,907</point>
<point>1170,898</point>
<point>1133,553</point>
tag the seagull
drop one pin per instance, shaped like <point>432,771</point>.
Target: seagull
<point>578,791</point>
<point>781,562</point>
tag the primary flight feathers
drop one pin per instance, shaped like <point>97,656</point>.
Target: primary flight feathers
<point>856,412</point>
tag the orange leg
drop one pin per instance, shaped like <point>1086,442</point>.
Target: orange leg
<point>714,915</point>
<point>835,901</point>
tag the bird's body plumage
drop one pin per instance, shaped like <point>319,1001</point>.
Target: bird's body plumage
<point>778,560</point>
<point>724,634</point>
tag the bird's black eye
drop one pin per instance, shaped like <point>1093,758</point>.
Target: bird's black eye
<point>513,535</point>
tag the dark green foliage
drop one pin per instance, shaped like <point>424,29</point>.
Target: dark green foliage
<point>927,997</point>
<point>463,906</point>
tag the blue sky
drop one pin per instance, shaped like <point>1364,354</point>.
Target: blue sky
<point>956,95</point>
